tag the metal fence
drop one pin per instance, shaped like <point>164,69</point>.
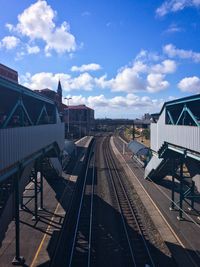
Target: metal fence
<point>19,143</point>
<point>180,135</point>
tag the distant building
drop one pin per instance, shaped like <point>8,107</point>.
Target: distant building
<point>56,96</point>
<point>8,73</point>
<point>142,123</point>
<point>146,116</point>
<point>81,119</point>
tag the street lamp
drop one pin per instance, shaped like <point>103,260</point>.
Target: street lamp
<point>68,98</point>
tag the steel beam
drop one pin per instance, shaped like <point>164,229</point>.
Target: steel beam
<point>173,185</point>
<point>41,191</point>
<point>35,217</point>
<point>180,217</point>
<point>18,260</point>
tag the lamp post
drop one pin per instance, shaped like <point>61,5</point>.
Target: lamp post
<point>68,98</point>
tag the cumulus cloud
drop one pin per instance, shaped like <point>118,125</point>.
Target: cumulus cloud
<point>190,84</point>
<point>166,66</point>
<point>170,6</point>
<point>9,42</point>
<point>113,106</point>
<point>49,80</point>
<point>127,80</point>
<point>37,23</point>
<point>172,52</point>
<point>141,75</point>
<point>86,67</point>
<point>156,82</point>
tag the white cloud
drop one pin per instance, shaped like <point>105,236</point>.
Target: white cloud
<point>190,84</point>
<point>127,80</point>
<point>139,76</point>
<point>175,5</point>
<point>9,42</point>
<point>49,80</point>
<point>112,107</point>
<point>156,82</point>
<point>143,75</point>
<point>146,56</point>
<point>37,23</point>
<point>166,66</point>
<point>32,49</point>
<point>86,67</point>
<point>173,28</point>
<point>172,52</point>
<point>10,27</point>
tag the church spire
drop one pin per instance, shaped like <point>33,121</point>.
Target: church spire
<point>59,91</point>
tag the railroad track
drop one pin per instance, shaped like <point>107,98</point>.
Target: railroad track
<point>137,250</point>
<point>81,248</point>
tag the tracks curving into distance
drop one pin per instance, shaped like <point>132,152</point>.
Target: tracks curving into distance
<point>138,251</point>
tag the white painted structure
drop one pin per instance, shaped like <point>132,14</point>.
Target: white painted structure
<point>180,135</point>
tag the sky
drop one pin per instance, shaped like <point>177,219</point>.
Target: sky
<point>123,58</point>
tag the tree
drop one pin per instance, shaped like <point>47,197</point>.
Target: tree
<point>146,134</point>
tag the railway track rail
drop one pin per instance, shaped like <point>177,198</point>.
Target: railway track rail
<point>71,249</point>
<point>81,249</point>
<point>137,248</point>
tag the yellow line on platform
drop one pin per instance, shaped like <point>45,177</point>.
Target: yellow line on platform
<point>44,237</point>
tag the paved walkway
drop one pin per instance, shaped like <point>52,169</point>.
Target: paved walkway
<point>181,237</point>
<point>38,239</point>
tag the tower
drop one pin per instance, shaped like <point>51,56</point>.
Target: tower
<point>59,92</point>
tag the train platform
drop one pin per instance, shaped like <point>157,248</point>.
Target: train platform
<point>181,237</point>
<point>39,237</point>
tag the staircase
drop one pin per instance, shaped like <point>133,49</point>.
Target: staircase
<point>157,168</point>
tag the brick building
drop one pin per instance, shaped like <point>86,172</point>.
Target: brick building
<point>79,120</point>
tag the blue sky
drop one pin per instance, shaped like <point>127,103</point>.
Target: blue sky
<point>121,57</point>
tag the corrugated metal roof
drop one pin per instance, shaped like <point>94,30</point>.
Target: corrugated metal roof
<point>180,100</point>
<point>138,148</point>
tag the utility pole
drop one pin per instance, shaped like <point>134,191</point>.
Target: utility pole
<point>133,132</point>
<point>68,98</point>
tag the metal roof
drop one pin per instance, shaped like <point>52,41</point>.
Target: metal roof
<point>138,148</point>
<point>24,90</point>
<point>180,101</point>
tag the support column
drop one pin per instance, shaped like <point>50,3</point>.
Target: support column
<point>173,186</point>
<point>192,196</point>
<point>41,191</point>
<point>180,217</point>
<point>18,260</point>
<point>35,217</point>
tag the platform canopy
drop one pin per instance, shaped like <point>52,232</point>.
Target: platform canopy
<point>138,149</point>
